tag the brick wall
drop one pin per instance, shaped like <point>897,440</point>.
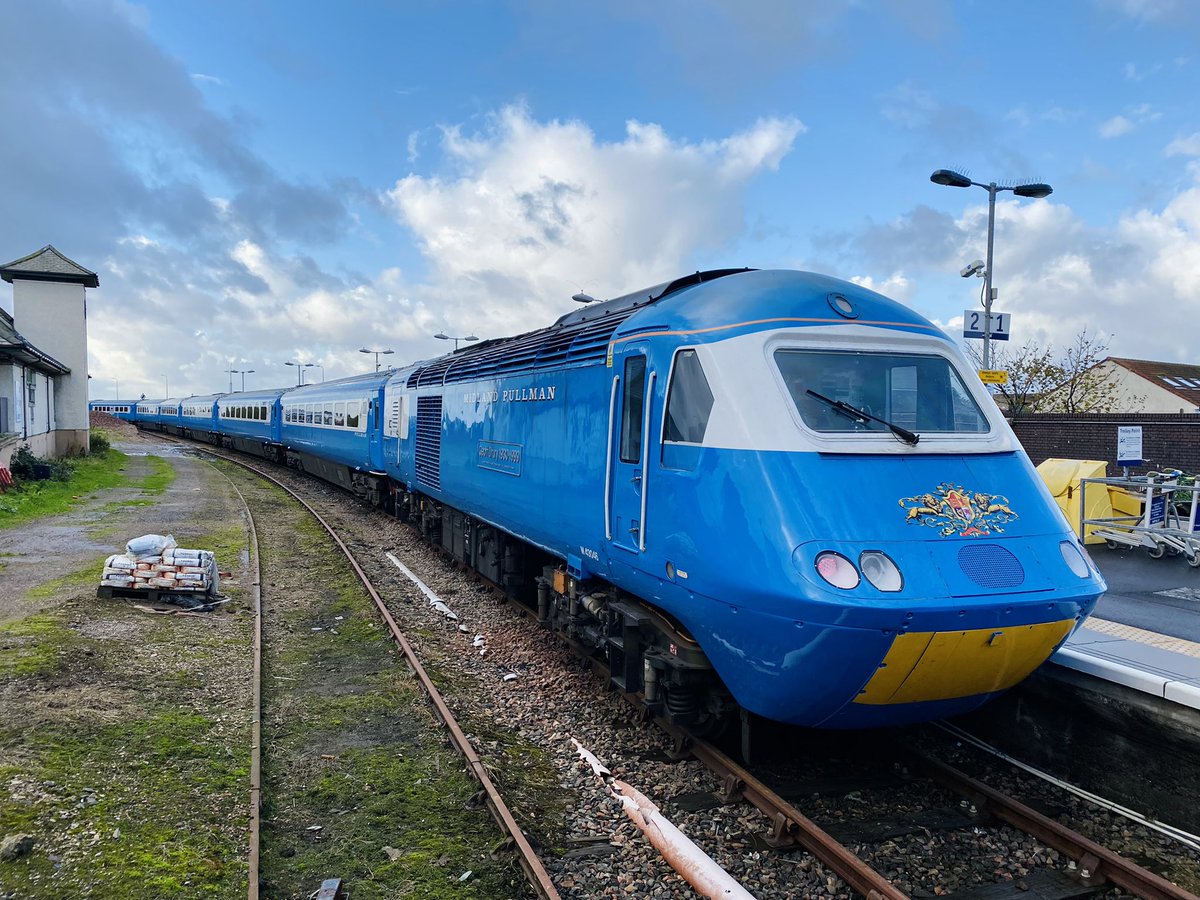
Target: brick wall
<point>1169,440</point>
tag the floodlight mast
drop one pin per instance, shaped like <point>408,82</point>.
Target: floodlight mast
<point>951,178</point>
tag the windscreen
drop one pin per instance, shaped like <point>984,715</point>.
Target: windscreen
<point>922,393</point>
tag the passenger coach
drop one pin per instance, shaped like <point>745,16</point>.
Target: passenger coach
<point>332,430</point>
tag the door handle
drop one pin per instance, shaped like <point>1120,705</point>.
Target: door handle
<point>636,479</point>
<point>635,527</point>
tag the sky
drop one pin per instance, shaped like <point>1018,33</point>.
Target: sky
<point>259,182</point>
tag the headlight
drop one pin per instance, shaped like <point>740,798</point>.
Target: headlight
<point>1073,558</point>
<point>837,570</point>
<point>879,569</point>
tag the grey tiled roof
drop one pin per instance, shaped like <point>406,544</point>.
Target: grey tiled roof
<point>48,264</point>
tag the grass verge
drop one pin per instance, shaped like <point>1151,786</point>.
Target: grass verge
<point>32,500</point>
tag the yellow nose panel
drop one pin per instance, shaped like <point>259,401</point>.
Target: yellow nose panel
<point>944,665</point>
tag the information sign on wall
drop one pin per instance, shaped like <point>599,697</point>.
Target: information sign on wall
<point>1129,445</point>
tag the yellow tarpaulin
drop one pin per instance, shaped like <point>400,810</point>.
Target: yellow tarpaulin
<point>1062,477</point>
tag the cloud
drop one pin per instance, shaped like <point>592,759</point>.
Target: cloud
<point>1115,127</point>
<point>540,210</point>
<point>1184,146</point>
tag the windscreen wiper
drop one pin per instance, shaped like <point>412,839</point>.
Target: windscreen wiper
<point>859,415</point>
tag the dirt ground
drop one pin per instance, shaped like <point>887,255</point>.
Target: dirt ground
<point>47,549</point>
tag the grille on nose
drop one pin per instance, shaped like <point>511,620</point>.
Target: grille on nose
<point>991,566</point>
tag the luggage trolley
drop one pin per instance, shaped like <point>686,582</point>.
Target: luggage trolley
<point>1161,528</point>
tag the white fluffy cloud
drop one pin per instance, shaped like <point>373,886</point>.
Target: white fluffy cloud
<point>539,210</point>
<point>1134,282</point>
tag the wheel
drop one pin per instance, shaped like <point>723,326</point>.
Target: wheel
<point>1194,560</point>
<point>1112,545</point>
<point>1157,552</point>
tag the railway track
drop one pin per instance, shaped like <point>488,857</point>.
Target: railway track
<point>1092,867</point>
<point>530,863</point>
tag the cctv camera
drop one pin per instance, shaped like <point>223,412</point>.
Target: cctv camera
<point>975,268</point>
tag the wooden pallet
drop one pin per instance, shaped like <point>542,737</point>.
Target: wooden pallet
<point>154,595</point>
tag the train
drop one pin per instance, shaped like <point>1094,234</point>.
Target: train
<point>764,492</point>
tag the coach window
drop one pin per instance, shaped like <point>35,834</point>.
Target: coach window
<point>631,409</point>
<point>352,414</point>
<point>339,414</point>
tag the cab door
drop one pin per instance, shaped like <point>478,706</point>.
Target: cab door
<point>631,400</point>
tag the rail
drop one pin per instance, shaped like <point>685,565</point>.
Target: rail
<point>531,864</point>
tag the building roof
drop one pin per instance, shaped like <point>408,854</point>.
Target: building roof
<point>1180,379</point>
<point>48,264</point>
<point>14,347</point>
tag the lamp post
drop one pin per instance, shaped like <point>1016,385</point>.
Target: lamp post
<point>244,373</point>
<point>378,353</point>
<point>449,337</point>
<point>950,178</point>
<point>166,388</point>
<point>300,367</point>
<point>231,373</point>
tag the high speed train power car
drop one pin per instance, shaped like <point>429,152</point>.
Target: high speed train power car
<point>771,490</point>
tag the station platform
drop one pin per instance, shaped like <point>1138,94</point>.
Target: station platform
<point>1145,632</point>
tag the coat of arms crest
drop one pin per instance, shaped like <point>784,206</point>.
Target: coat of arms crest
<point>952,509</point>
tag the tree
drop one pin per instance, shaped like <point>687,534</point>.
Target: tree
<point>1090,383</point>
<point>1080,380</point>
<point>1032,372</point>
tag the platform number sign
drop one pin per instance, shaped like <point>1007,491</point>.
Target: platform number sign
<point>974,319</point>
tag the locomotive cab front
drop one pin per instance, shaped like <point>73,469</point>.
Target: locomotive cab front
<point>852,533</point>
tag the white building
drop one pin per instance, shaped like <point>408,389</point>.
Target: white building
<point>1142,386</point>
<point>43,356</point>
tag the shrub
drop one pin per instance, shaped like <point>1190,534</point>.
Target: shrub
<point>25,466</point>
<point>98,443</point>
<point>22,463</point>
<point>61,469</point>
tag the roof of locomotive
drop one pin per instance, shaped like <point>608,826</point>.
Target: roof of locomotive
<point>780,297</point>
<point>705,302</point>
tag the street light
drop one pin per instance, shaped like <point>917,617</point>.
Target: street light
<point>300,367</point>
<point>950,178</point>
<point>166,388</point>
<point>244,373</point>
<point>378,353</point>
<point>449,337</point>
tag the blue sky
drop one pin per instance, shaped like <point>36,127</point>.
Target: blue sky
<point>262,181</point>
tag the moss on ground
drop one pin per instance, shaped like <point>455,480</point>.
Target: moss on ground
<point>352,748</point>
<point>37,645</point>
<point>88,575</point>
<point>148,797</point>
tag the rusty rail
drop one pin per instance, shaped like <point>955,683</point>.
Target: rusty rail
<point>255,824</point>
<point>535,872</point>
<point>1100,863</point>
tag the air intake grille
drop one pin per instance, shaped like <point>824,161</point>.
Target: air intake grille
<point>991,566</point>
<point>429,441</point>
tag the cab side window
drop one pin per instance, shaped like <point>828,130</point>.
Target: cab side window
<point>689,401</point>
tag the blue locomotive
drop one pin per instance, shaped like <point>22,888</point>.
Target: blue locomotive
<point>770,490</point>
